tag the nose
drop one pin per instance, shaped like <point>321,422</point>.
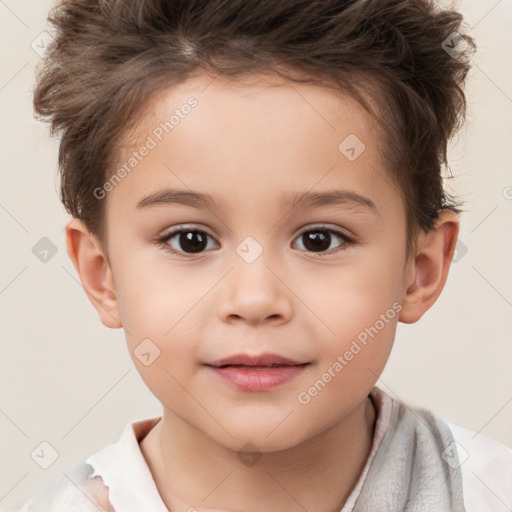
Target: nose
<point>255,293</point>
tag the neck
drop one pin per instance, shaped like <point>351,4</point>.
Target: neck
<point>193,472</point>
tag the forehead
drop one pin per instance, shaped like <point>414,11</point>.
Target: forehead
<point>263,130</point>
<point>262,104</point>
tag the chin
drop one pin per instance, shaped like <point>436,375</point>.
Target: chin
<point>251,440</point>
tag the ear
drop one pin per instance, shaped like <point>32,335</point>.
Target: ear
<point>94,270</point>
<point>427,268</point>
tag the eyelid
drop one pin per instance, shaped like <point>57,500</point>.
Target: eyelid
<point>309,227</point>
<point>326,227</point>
<point>185,227</point>
<point>162,240</point>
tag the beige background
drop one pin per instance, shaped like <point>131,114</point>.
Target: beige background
<point>68,380</point>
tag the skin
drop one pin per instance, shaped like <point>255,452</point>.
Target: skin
<point>246,143</point>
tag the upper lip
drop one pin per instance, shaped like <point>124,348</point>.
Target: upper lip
<point>266,359</point>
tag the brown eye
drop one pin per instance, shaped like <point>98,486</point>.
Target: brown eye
<point>192,241</point>
<point>187,241</point>
<point>319,240</point>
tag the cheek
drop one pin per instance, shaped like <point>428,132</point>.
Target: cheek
<point>361,346</point>
<point>348,369</point>
<point>351,298</point>
<point>154,295</point>
<point>154,335</point>
<point>358,306</point>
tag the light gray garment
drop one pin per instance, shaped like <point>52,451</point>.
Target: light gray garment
<point>416,468</point>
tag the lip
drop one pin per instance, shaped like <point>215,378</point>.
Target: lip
<point>256,373</point>
<point>265,359</point>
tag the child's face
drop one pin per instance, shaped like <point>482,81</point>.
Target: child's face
<point>248,146</point>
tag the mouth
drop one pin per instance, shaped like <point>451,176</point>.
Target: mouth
<point>256,373</point>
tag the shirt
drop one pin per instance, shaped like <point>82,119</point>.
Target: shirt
<point>118,478</point>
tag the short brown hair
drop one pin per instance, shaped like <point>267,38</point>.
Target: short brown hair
<point>113,56</point>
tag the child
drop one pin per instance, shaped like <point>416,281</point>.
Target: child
<point>302,144</point>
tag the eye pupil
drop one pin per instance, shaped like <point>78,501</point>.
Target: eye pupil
<point>192,241</point>
<point>320,240</point>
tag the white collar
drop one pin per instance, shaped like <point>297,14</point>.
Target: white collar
<point>125,472</point>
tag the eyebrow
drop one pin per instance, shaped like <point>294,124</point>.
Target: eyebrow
<point>289,200</point>
<point>328,198</point>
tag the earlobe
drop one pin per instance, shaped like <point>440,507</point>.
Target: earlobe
<point>94,271</point>
<point>428,268</point>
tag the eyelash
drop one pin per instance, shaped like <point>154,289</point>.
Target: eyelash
<point>163,240</point>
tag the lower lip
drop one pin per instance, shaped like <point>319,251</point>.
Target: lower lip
<point>248,378</point>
